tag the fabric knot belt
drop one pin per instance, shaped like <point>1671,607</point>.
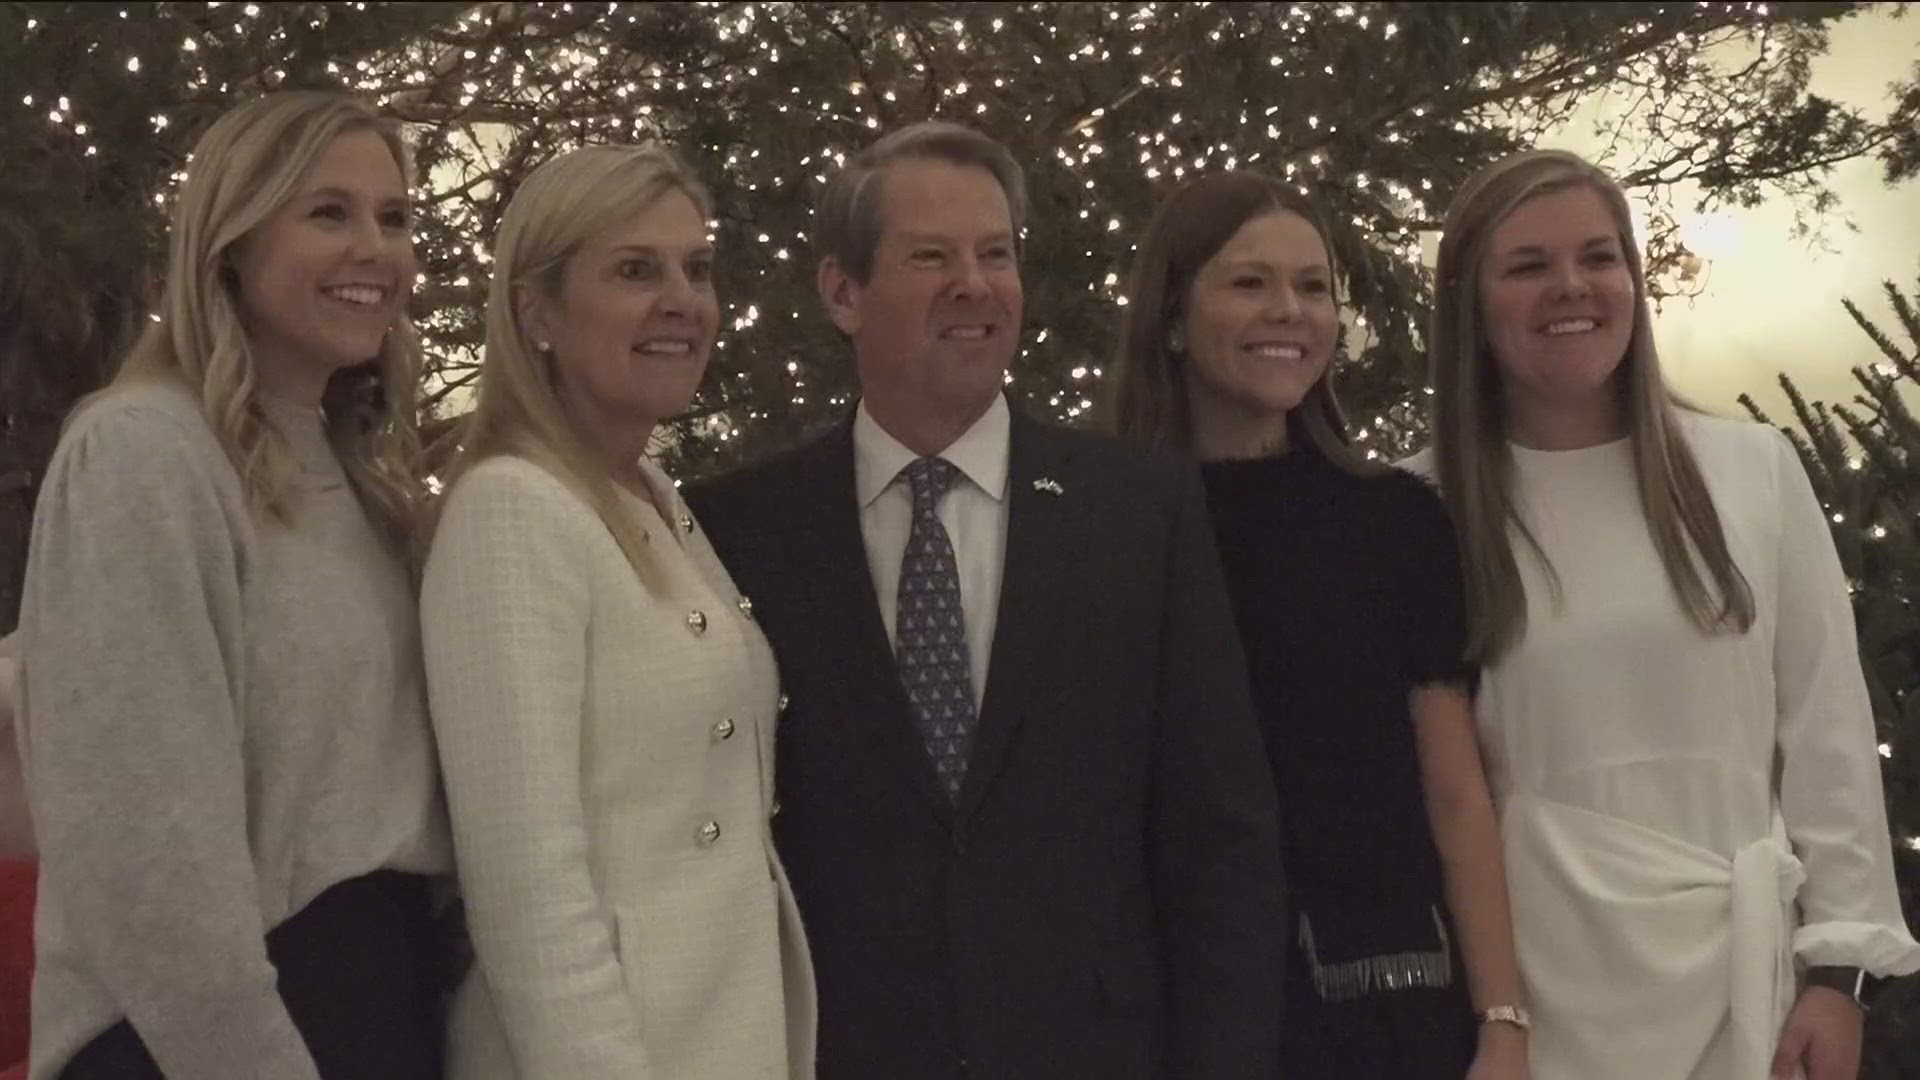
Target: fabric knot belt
<point>1622,927</point>
<point>1765,877</point>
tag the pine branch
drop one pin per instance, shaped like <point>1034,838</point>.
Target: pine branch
<point>1880,339</point>
<point>1904,310</point>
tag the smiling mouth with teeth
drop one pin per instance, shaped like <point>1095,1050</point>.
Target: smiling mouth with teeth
<point>1273,351</point>
<point>361,295</point>
<point>1562,327</point>
<point>665,348</point>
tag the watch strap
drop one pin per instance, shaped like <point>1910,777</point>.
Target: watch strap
<point>1851,981</point>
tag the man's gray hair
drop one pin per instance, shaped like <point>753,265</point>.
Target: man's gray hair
<point>847,221</point>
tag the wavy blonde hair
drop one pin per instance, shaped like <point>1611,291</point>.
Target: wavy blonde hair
<point>1470,424</point>
<point>248,165</point>
<point>558,208</point>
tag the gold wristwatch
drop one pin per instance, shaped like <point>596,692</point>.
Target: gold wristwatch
<point>1507,1014</point>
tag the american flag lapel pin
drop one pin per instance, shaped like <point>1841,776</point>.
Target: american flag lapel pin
<point>1049,485</point>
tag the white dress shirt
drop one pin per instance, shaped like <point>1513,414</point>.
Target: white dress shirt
<point>974,512</point>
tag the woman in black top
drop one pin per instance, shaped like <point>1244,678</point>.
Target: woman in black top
<point>1346,585</point>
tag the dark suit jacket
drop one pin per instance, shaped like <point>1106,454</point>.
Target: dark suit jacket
<point>1104,900</point>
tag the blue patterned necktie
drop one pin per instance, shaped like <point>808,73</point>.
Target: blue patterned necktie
<point>935,665</point>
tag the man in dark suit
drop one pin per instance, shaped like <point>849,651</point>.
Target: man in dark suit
<point>1023,800</point>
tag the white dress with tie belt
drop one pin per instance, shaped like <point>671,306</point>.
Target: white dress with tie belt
<point>1684,814</point>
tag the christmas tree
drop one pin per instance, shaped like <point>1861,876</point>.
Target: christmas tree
<point>1864,461</point>
<point>1380,109</point>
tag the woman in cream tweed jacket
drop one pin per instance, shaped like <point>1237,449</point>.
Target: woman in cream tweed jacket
<point>603,700</point>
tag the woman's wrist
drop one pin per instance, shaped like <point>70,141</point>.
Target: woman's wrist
<point>1501,1039</point>
<point>1507,1021</point>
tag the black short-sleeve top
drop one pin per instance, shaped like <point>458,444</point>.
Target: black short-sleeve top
<point>1346,589</point>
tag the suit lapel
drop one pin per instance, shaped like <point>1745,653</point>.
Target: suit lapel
<point>851,649</point>
<point>1034,595</point>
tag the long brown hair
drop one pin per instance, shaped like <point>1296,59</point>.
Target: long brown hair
<point>1469,421</point>
<point>1148,398</point>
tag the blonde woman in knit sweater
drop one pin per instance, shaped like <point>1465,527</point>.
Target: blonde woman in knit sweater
<point>223,720</point>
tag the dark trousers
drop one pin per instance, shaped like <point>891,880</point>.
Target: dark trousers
<point>362,972</point>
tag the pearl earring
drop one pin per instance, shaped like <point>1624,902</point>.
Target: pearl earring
<point>543,346</point>
<point>1176,341</point>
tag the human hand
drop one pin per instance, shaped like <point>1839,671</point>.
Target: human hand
<point>1822,1035</point>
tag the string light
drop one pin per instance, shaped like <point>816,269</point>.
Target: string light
<point>566,74</point>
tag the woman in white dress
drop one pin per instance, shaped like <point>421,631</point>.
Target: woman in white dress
<point>1672,707</point>
<point>603,700</point>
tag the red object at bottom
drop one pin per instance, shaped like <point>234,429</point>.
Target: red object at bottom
<point>19,879</point>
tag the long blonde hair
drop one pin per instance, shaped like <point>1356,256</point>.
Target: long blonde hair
<point>557,209</point>
<point>248,165</point>
<point>1470,425</point>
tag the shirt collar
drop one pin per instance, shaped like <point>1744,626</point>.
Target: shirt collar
<point>981,453</point>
